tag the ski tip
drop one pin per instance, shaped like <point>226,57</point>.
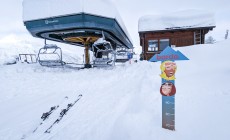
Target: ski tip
<point>23,137</point>
<point>47,131</point>
<point>80,95</point>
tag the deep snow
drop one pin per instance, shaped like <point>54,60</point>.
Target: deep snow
<point>123,103</point>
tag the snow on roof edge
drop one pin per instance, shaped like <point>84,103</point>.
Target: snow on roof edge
<point>187,19</point>
<point>177,28</point>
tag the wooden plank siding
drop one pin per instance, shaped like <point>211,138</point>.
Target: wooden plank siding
<point>179,38</point>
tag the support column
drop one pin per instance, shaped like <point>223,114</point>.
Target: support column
<point>87,56</point>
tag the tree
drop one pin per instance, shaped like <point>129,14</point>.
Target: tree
<point>210,40</point>
<point>226,35</point>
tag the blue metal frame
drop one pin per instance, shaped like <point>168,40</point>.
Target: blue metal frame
<point>76,24</point>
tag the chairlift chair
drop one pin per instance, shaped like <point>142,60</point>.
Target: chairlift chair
<point>122,56</point>
<point>28,58</point>
<point>50,55</point>
<point>103,53</point>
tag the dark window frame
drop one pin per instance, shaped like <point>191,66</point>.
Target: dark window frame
<point>169,44</point>
<point>154,50</point>
<point>158,43</point>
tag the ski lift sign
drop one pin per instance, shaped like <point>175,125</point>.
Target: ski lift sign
<point>168,90</point>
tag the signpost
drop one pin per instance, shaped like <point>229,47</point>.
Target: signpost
<point>168,90</point>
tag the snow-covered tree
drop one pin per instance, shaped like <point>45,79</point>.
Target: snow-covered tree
<point>226,35</point>
<point>210,40</point>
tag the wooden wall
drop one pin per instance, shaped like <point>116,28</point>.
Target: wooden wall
<point>177,38</point>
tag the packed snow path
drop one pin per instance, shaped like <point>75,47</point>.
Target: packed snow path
<point>48,86</point>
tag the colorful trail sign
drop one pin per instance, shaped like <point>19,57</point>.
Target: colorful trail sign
<point>168,54</point>
<point>168,89</point>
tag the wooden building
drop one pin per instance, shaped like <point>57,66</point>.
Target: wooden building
<point>155,38</point>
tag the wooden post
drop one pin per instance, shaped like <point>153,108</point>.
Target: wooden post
<point>87,57</point>
<point>86,54</point>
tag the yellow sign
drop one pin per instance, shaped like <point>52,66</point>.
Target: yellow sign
<point>168,69</point>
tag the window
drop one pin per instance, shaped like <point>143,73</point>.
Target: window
<point>153,45</point>
<point>158,45</point>
<point>164,43</point>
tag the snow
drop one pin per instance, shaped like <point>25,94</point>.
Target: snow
<point>176,20</point>
<point>100,41</point>
<point>52,8</point>
<point>122,103</point>
<point>11,46</point>
<point>41,9</point>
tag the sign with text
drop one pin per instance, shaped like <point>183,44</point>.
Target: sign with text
<point>168,54</point>
<point>168,90</point>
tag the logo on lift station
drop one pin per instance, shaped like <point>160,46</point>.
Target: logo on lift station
<point>51,21</point>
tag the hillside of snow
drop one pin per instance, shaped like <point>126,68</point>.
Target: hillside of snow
<point>11,46</point>
<point>123,103</point>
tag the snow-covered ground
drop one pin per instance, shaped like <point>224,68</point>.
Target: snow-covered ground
<point>123,103</point>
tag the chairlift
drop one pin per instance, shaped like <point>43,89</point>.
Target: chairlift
<point>123,56</point>
<point>50,55</point>
<point>28,58</point>
<point>103,53</point>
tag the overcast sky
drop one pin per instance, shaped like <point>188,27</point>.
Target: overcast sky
<point>130,11</point>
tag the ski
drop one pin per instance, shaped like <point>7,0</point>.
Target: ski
<point>45,116</point>
<point>62,113</point>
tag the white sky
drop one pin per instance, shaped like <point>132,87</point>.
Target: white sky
<point>130,11</point>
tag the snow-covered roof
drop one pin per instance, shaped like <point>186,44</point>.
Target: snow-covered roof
<point>178,20</point>
<point>41,9</point>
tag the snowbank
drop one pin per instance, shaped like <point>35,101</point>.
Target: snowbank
<point>123,103</point>
<point>177,20</point>
<point>11,46</point>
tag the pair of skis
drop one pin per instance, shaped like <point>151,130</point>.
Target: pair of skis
<point>63,112</point>
<point>46,116</point>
